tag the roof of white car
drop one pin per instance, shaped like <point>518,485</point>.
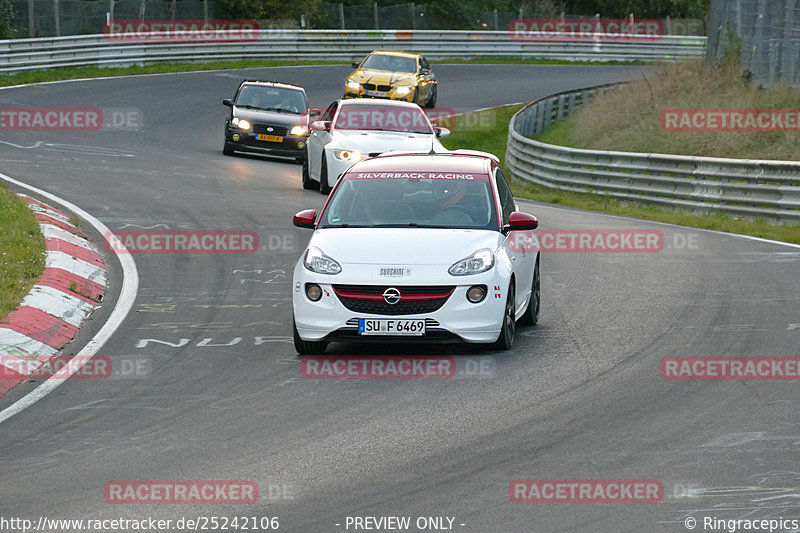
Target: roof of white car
<point>442,162</point>
<point>376,102</point>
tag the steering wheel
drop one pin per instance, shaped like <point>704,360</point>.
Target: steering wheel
<point>460,212</point>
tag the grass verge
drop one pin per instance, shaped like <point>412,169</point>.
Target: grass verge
<point>493,138</point>
<point>22,250</point>
<point>629,119</point>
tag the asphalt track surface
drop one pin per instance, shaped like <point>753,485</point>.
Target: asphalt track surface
<point>578,397</point>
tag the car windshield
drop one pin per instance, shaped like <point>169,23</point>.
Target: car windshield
<point>271,99</point>
<point>383,118</point>
<point>393,63</point>
<point>411,199</point>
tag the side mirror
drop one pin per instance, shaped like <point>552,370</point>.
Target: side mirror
<point>320,125</point>
<point>355,64</point>
<point>424,71</point>
<point>227,102</point>
<point>305,219</point>
<point>519,221</point>
<point>441,132</point>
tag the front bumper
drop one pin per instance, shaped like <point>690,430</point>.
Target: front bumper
<point>457,319</point>
<point>245,141</point>
<point>391,94</point>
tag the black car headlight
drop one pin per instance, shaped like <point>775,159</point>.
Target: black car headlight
<point>241,123</point>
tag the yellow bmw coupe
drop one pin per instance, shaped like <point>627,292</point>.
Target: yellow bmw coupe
<point>394,76</point>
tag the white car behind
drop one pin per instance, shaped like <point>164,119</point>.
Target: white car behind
<point>355,129</point>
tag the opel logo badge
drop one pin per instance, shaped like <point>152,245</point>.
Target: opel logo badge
<point>391,295</point>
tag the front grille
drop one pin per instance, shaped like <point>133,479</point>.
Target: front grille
<point>373,87</point>
<point>415,300</point>
<point>276,130</point>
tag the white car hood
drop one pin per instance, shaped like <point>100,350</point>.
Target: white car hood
<point>384,141</point>
<point>403,246</point>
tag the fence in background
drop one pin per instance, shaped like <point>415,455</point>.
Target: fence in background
<point>54,18</point>
<point>738,187</point>
<point>767,33</point>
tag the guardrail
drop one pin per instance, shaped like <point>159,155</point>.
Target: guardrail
<point>740,187</point>
<point>101,50</point>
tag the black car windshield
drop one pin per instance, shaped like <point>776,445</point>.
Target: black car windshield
<point>382,118</point>
<point>271,99</point>
<point>412,199</point>
<point>393,63</point>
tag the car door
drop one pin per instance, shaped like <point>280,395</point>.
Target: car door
<point>317,141</point>
<point>516,242</point>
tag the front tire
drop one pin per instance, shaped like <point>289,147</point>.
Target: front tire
<point>531,316</point>
<point>227,148</point>
<point>308,183</point>
<point>324,186</point>
<point>509,330</point>
<point>307,347</point>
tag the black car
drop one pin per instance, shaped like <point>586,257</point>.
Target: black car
<point>268,118</point>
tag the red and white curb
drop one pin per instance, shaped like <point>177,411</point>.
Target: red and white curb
<point>70,288</point>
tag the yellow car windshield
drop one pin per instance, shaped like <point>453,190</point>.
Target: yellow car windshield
<point>393,63</point>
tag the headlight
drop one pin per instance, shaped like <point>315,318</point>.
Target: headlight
<point>353,85</point>
<point>347,155</point>
<point>241,123</point>
<point>403,91</point>
<point>318,262</point>
<point>298,130</point>
<point>480,261</point>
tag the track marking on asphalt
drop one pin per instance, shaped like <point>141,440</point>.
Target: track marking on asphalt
<point>127,296</point>
<point>71,149</point>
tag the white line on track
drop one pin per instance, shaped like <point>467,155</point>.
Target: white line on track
<point>646,221</point>
<point>127,296</point>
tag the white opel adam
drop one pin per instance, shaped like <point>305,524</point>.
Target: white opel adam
<point>417,247</point>
<point>355,129</point>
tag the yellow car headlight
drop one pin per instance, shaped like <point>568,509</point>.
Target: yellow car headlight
<point>347,155</point>
<point>403,90</point>
<point>241,123</point>
<point>353,85</point>
<point>298,130</point>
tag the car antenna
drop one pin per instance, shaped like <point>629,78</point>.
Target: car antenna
<point>432,152</point>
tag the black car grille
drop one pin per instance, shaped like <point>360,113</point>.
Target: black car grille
<point>414,300</point>
<point>276,130</point>
<point>373,87</point>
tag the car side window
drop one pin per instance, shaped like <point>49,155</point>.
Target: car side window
<point>423,63</point>
<point>327,116</point>
<point>506,196</point>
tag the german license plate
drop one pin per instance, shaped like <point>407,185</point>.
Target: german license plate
<point>371,326</point>
<point>269,138</point>
<point>376,93</point>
